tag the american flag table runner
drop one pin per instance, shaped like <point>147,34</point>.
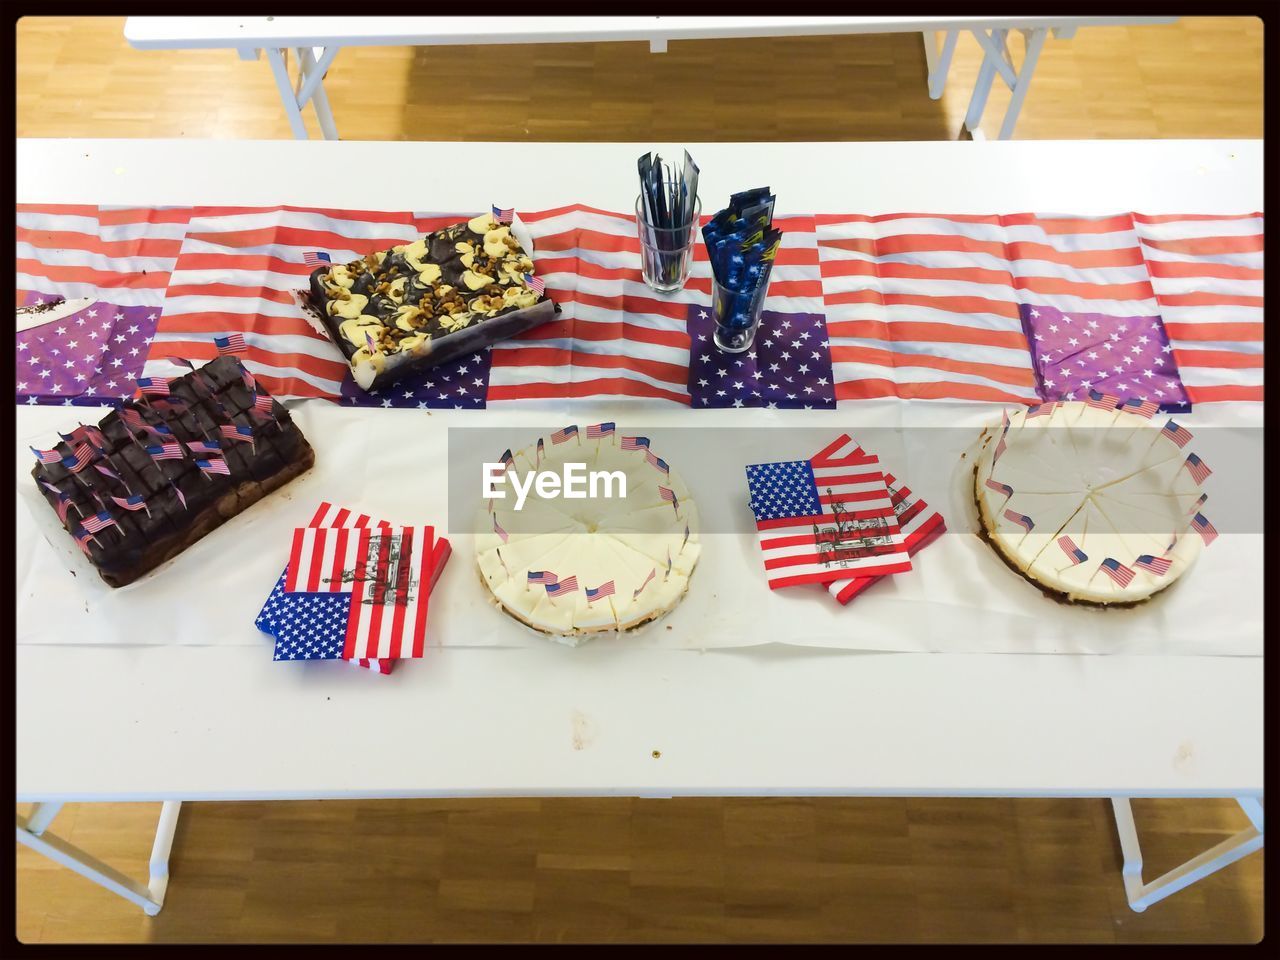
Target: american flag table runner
<point>820,520</point>
<point>915,305</point>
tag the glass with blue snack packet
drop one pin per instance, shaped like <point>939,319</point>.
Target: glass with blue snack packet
<point>742,244</point>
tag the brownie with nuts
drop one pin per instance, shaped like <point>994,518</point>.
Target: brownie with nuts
<point>397,312</point>
<point>133,492</point>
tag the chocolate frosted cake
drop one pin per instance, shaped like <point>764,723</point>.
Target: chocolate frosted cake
<point>157,474</point>
<point>398,312</point>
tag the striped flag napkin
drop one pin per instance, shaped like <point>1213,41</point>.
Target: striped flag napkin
<point>318,624</point>
<point>821,520</point>
<point>920,524</point>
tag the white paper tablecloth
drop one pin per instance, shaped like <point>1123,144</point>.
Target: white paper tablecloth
<point>393,465</point>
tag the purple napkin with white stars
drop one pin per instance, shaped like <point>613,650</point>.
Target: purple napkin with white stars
<point>1126,357</point>
<point>788,367</point>
<point>460,384</point>
<point>89,357</point>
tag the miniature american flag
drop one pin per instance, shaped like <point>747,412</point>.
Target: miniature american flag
<point>64,501</point>
<point>204,446</point>
<point>536,284</point>
<point>106,471</point>
<point>153,386</point>
<point>166,451</point>
<point>1198,469</point>
<point>506,458</point>
<point>1021,519</point>
<point>76,435</point>
<point>497,528</point>
<point>504,214</point>
<point>541,576</point>
<point>1041,410</point>
<point>232,343</point>
<point>597,431</point>
<point>262,403</point>
<point>604,590</point>
<point>1200,502</point>
<point>1200,523</point>
<point>637,591</point>
<point>135,502</point>
<point>1143,408</point>
<point>657,463</point>
<point>214,465</point>
<point>669,495</point>
<point>999,487</point>
<point>231,431</point>
<point>82,539</point>
<point>79,459</point>
<point>178,493</point>
<point>825,519</point>
<point>1102,401</point>
<point>542,449</point>
<point>561,587</point>
<point>98,522</point>
<point>47,456</point>
<point>1178,434</point>
<point>1117,571</point>
<point>1157,565</point>
<point>560,436</point>
<point>1001,446</point>
<point>635,443</point>
<point>1073,552</point>
<point>313,258</point>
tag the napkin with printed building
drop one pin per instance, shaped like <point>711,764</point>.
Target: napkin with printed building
<point>919,523</point>
<point>355,589</point>
<point>827,518</point>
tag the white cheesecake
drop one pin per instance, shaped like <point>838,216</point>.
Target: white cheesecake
<point>1092,505</point>
<point>624,562</point>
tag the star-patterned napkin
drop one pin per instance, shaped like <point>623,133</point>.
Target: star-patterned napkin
<point>80,353</point>
<point>461,384</point>
<point>1125,357</point>
<point>788,367</point>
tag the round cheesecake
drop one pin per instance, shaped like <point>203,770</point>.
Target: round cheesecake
<point>574,567</point>
<point>1092,505</point>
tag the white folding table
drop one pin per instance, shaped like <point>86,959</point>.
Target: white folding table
<point>315,42</point>
<point>199,723</point>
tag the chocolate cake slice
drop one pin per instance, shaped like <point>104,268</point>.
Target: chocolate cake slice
<point>398,312</point>
<point>157,474</point>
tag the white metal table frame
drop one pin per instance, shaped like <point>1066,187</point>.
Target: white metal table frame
<point>1210,172</point>
<point>31,832</point>
<point>313,54</point>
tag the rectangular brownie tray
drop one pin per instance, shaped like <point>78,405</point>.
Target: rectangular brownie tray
<point>137,479</point>
<point>397,313</point>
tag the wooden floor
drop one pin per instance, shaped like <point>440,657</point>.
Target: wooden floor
<point>1199,77</point>
<point>653,870</point>
<point>706,869</point>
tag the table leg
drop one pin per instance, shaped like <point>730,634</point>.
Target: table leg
<point>939,63</point>
<point>1035,41</point>
<point>294,112</point>
<point>1140,895</point>
<point>312,64</point>
<point>150,898</point>
<point>982,86</point>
